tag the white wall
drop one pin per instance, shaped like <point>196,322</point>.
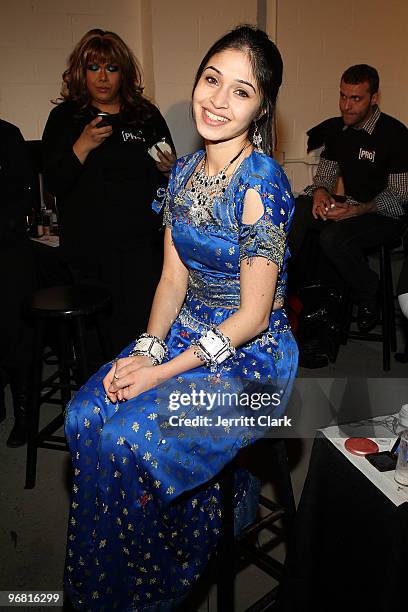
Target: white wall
<point>168,37</point>
<point>36,37</point>
<point>183,30</point>
<point>318,41</point>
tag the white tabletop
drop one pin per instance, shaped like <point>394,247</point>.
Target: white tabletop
<point>380,427</point>
<point>51,241</point>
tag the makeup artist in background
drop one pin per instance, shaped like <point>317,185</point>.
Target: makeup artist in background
<point>105,179</point>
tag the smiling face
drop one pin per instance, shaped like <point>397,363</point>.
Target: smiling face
<point>356,103</point>
<point>103,82</point>
<point>226,99</point>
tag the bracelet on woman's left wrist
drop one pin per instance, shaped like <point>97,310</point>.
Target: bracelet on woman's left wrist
<point>213,347</point>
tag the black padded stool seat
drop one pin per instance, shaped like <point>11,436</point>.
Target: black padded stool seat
<point>66,309</point>
<point>69,301</point>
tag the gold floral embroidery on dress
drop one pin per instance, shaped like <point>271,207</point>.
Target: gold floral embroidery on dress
<point>263,239</point>
<point>166,210</point>
<point>216,293</point>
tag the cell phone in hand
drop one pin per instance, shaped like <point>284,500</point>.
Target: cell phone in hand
<point>105,120</point>
<point>162,146</point>
<point>386,460</point>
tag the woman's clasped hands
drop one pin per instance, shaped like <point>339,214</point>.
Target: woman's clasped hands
<point>129,377</point>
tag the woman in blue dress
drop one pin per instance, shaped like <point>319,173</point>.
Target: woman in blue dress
<point>213,370</point>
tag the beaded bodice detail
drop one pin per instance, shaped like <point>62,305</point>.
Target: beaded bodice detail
<point>208,231</point>
<point>202,191</point>
<point>205,188</point>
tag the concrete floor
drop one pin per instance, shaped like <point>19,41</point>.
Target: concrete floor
<point>33,522</point>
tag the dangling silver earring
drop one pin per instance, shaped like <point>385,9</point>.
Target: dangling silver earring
<point>257,139</point>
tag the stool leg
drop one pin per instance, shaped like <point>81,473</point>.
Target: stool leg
<point>35,402</point>
<point>347,317</point>
<point>81,350</point>
<point>2,402</point>
<point>226,545</point>
<point>385,312</point>
<point>103,339</point>
<point>64,362</point>
<point>283,481</point>
<point>391,305</point>
<point>403,357</point>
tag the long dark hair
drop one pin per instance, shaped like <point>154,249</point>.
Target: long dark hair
<point>102,46</point>
<point>267,66</point>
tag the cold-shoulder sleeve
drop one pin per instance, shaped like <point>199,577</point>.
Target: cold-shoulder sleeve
<point>266,237</point>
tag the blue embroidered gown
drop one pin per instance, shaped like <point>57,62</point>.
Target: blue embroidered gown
<point>143,523</point>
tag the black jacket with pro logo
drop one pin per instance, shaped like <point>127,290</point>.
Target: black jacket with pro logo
<point>367,160</point>
<point>105,202</point>
<point>372,160</point>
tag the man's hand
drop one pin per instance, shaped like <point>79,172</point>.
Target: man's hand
<point>347,211</point>
<point>322,203</point>
<point>340,211</point>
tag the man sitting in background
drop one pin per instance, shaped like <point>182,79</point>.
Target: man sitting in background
<point>369,151</point>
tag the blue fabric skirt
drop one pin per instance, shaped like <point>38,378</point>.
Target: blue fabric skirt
<point>143,520</point>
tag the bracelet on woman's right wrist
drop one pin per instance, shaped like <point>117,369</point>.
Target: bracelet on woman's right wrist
<point>150,346</point>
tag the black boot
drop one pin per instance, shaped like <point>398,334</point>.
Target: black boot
<point>2,405</point>
<point>320,325</point>
<point>367,316</point>
<point>19,433</point>
<point>3,383</point>
<point>312,354</point>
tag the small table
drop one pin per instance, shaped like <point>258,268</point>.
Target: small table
<point>349,547</point>
<point>51,241</point>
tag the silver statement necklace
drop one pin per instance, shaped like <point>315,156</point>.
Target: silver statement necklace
<point>204,188</point>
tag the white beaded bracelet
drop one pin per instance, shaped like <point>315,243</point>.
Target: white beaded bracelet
<point>213,348</point>
<point>150,346</point>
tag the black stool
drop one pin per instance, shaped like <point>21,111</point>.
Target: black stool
<point>68,307</point>
<point>400,357</point>
<point>235,553</point>
<point>403,357</point>
<point>388,335</point>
